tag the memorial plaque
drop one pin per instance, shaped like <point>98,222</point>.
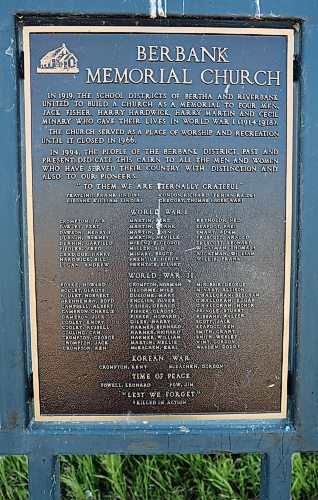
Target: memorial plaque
<point>159,174</point>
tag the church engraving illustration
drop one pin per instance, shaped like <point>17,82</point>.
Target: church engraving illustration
<point>59,60</point>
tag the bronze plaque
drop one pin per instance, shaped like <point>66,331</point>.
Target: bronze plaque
<point>159,173</point>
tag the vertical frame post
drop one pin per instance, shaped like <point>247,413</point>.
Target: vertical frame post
<point>13,377</point>
<point>276,470</point>
<point>44,476</point>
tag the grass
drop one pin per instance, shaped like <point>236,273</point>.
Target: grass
<point>13,478</point>
<point>178,477</point>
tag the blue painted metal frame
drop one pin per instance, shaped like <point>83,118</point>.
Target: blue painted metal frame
<point>277,440</point>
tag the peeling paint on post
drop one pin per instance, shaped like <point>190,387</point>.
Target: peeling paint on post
<point>275,438</point>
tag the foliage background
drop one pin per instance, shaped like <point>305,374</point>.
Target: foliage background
<point>178,477</point>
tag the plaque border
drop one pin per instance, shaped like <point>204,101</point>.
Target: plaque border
<point>289,34</point>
